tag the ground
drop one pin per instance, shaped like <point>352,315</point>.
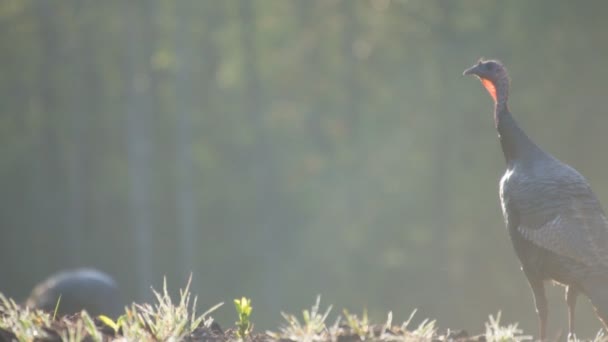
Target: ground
<point>215,333</point>
<point>166,320</point>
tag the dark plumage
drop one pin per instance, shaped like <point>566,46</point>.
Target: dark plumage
<point>556,223</point>
<point>80,289</point>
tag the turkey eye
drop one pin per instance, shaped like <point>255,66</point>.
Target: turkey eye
<point>490,67</point>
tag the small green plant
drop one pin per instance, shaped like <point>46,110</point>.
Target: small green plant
<point>243,309</point>
<point>120,322</point>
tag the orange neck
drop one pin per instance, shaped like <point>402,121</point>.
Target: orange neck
<point>490,87</point>
<point>499,91</point>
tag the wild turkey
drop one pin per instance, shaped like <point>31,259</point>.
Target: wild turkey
<point>556,224</point>
<point>76,290</point>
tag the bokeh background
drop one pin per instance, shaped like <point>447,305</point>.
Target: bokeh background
<point>281,149</point>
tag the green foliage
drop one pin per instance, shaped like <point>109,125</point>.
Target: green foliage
<point>243,310</point>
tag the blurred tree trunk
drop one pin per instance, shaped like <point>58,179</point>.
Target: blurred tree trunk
<point>84,107</point>
<point>139,111</point>
<point>349,74</point>
<point>441,194</point>
<point>313,68</point>
<point>186,201</point>
<point>261,158</point>
<point>48,174</point>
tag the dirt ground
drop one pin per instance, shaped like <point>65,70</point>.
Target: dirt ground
<point>215,333</point>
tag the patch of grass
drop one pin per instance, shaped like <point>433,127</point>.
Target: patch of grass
<point>312,327</point>
<point>164,321</point>
<point>498,333</point>
<point>81,328</point>
<point>350,328</point>
<point>26,324</point>
<point>425,330</point>
<point>359,326</point>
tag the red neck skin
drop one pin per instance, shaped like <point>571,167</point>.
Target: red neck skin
<point>489,85</point>
<point>499,91</point>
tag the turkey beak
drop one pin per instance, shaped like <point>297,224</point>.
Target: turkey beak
<point>471,71</point>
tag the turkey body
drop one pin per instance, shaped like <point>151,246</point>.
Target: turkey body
<point>557,226</point>
<point>553,218</point>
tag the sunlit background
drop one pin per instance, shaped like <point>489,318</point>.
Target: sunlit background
<point>283,149</point>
